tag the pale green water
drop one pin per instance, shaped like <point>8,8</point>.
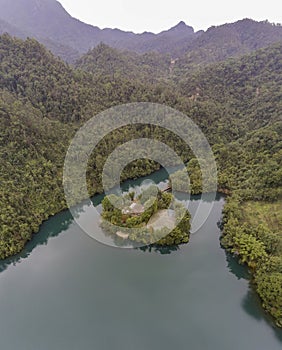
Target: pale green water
<point>68,292</point>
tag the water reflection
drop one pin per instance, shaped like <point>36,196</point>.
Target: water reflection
<point>49,229</point>
<point>159,249</point>
<point>61,222</point>
<point>251,302</point>
<point>238,270</point>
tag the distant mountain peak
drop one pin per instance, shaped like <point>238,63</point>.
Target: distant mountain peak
<point>182,27</point>
<point>181,24</point>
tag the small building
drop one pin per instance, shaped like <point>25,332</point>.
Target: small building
<point>137,208</point>
<point>134,209</point>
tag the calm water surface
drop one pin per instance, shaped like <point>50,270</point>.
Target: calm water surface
<point>68,292</point>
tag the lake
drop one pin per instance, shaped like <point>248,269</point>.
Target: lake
<point>66,291</point>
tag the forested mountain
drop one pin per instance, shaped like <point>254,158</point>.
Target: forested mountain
<point>32,79</point>
<point>249,86</point>
<point>69,38</point>
<point>105,61</point>
<point>247,91</point>
<point>41,102</point>
<point>47,20</point>
<point>28,70</point>
<point>229,40</point>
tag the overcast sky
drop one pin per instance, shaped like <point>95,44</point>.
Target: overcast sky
<point>158,15</point>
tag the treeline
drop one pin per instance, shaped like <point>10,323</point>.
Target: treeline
<point>261,249</point>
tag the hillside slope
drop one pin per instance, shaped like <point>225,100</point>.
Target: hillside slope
<point>229,40</point>
<point>106,61</point>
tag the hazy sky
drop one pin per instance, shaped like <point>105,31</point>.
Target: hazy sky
<point>157,15</point>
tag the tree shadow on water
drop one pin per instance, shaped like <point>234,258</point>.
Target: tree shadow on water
<point>253,307</point>
<point>237,269</point>
<point>159,249</point>
<point>251,302</point>
<point>49,229</point>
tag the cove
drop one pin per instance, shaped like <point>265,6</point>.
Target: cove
<point>66,291</point>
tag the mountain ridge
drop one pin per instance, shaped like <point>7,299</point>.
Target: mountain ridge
<point>48,22</point>
<point>48,19</point>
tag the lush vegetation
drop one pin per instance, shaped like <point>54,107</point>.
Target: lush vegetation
<point>105,61</point>
<point>44,99</point>
<point>236,103</point>
<point>226,41</point>
<point>42,103</point>
<point>264,213</point>
<point>154,206</point>
<point>252,231</point>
